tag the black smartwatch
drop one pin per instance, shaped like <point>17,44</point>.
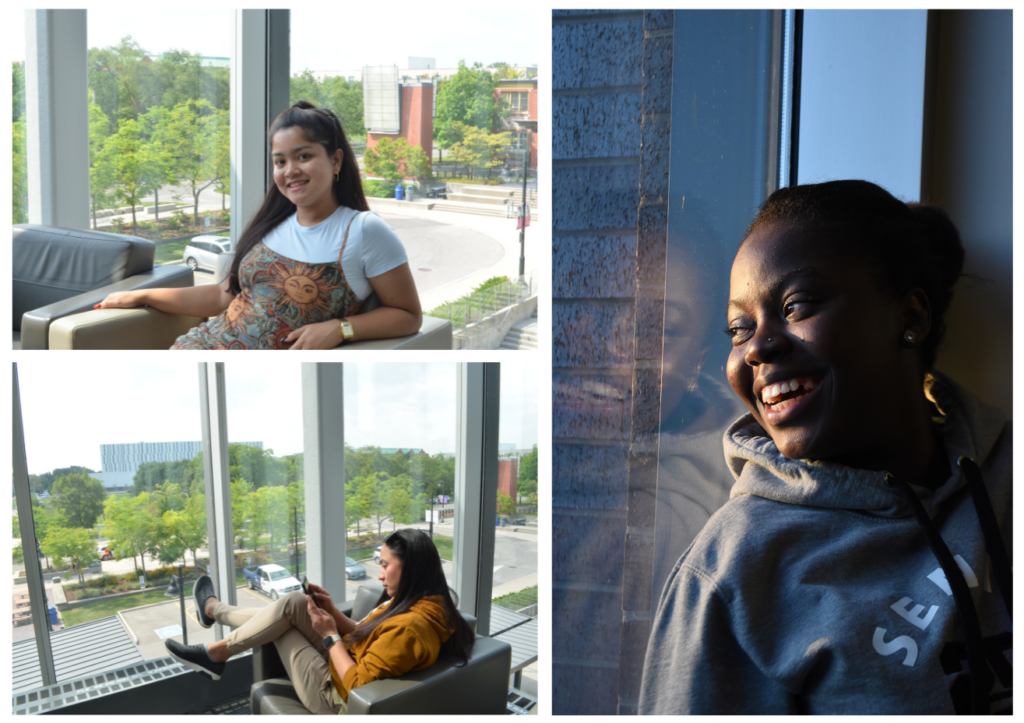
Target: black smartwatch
<point>331,640</point>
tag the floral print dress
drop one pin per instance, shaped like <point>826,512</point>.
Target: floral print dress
<point>278,296</point>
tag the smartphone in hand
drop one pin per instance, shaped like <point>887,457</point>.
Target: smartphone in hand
<point>305,589</point>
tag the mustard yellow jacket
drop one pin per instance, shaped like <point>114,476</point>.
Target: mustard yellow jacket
<point>401,644</point>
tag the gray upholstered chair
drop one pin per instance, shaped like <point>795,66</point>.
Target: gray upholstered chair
<point>65,272</point>
<point>479,687</point>
<point>61,272</point>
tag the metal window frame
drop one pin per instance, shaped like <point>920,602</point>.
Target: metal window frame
<point>27,530</point>
<point>57,118</point>
<point>477,400</point>
<point>217,483</point>
<point>323,468</point>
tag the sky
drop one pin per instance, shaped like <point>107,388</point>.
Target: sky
<point>67,416</point>
<point>349,36</point>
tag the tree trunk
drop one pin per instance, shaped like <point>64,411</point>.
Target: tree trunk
<point>195,209</point>
<point>223,202</point>
<point>156,206</point>
<point>134,232</point>
<point>94,213</point>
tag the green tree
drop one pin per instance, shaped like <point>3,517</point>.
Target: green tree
<point>19,181</point>
<point>18,91</point>
<point>258,466</point>
<point>468,97</point>
<point>72,546</point>
<point>155,124</point>
<point>504,71</point>
<point>345,98</point>
<point>506,505</point>
<point>120,78</point>
<point>195,136</point>
<point>480,149</point>
<point>187,527</point>
<point>527,484</point>
<point>134,166</point>
<point>101,171</point>
<point>241,507</point>
<point>393,159</point>
<point>131,528</point>
<point>80,498</point>
<point>46,521</point>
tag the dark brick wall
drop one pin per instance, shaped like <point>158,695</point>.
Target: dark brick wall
<point>611,98</point>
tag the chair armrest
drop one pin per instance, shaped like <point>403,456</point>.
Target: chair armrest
<point>139,328</point>
<point>35,324</point>
<point>480,687</point>
<point>434,334</point>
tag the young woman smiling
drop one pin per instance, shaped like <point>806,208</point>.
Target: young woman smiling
<point>862,563</point>
<point>326,653</point>
<point>307,260</point>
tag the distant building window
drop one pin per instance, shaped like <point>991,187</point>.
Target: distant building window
<point>518,140</point>
<point>517,102</point>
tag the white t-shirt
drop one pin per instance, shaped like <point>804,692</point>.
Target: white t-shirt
<point>373,247</point>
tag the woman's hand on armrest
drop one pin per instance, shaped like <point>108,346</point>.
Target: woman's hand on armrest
<point>206,300</point>
<point>399,313</point>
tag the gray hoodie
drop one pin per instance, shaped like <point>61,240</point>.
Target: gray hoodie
<point>815,590</point>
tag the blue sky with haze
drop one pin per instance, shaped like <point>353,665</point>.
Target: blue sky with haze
<point>68,415</point>
<point>349,36</point>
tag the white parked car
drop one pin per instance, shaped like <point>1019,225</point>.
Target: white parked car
<point>202,251</point>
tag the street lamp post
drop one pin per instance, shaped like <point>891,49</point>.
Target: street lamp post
<point>522,231</point>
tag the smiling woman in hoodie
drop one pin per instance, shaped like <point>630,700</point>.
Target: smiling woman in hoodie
<point>306,262</point>
<point>862,563</point>
<point>326,653</point>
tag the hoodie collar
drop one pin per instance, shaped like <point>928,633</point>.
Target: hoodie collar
<point>970,427</point>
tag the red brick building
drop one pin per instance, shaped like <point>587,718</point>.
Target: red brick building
<point>508,477</point>
<point>416,108</point>
<point>518,98</point>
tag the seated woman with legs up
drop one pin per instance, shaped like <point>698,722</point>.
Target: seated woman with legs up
<point>325,653</point>
<point>863,561</point>
<point>308,259</point>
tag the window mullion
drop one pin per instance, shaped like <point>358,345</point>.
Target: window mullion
<point>476,487</point>
<point>57,118</point>
<point>27,530</point>
<point>323,468</point>
<point>217,474</point>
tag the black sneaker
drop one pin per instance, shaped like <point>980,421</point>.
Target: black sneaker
<point>201,592</point>
<point>194,657</point>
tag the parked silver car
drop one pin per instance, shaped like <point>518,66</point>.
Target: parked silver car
<point>202,251</point>
<point>353,570</point>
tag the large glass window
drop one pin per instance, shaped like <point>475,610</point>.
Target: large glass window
<point>19,182</point>
<point>121,486</point>
<point>516,101</point>
<point>117,502</point>
<point>159,144</point>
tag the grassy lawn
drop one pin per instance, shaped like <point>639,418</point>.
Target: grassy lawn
<point>441,542</point>
<point>444,546</point>
<point>106,608</point>
<point>165,253</point>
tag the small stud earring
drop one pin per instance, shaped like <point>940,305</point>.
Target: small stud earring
<point>335,176</point>
<point>909,337</point>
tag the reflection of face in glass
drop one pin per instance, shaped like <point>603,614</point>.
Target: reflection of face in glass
<point>689,332</point>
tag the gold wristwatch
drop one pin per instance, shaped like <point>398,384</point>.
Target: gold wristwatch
<point>346,331</point>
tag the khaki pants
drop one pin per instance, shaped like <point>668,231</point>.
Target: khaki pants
<point>286,624</point>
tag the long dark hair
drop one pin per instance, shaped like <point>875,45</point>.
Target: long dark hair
<point>908,244</point>
<point>318,125</point>
<point>421,577</point>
